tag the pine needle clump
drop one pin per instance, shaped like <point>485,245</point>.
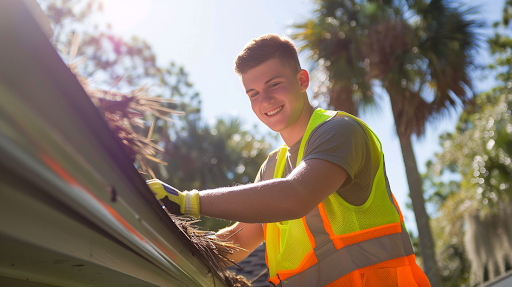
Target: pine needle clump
<point>216,250</point>
<point>123,112</point>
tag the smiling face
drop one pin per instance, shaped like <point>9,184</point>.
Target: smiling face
<point>278,97</point>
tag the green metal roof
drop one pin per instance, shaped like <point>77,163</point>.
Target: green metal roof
<point>74,211</point>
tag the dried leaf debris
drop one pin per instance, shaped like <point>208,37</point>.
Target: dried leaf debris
<point>216,250</point>
<point>124,111</point>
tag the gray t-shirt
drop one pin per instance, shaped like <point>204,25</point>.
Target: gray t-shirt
<point>342,141</point>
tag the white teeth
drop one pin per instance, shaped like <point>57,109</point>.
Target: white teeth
<point>274,111</point>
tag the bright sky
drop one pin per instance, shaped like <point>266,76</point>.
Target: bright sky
<point>206,36</point>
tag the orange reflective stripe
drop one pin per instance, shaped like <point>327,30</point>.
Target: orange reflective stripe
<point>275,280</point>
<point>380,274</point>
<point>352,279</point>
<point>420,276</point>
<point>343,240</point>
<point>395,272</point>
<point>325,219</point>
<point>265,237</point>
<point>351,258</point>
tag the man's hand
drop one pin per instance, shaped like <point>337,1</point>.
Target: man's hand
<point>247,236</point>
<point>177,202</point>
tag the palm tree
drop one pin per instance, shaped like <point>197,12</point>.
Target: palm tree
<point>425,80</point>
<point>422,64</point>
<point>334,40</point>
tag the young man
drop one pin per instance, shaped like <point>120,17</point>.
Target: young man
<point>329,216</point>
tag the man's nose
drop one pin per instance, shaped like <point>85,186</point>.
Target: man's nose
<point>268,98</point>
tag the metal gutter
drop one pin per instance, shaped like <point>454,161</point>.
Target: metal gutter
<point>54,139</point>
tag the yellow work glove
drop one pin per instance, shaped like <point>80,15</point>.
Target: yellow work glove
<point>177,202</point>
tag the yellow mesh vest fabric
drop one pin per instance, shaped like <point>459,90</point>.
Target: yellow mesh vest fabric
<point>272,233</point>
<point>293,234</point>
<point>272,248</point>
<point>345,218</point>
<point>378,209</point>
<point>290,237</point>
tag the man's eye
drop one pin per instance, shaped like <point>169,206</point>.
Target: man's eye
<point>254,95</point>
<point>274,85</point>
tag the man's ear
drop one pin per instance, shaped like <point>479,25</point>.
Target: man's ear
<point>303,80</point>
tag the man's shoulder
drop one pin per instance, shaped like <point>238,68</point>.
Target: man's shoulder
<point>266,171</point>
<point>340,123</point>
<point>274,152</point>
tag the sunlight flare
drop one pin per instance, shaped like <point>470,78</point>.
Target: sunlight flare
<point>123,14</point>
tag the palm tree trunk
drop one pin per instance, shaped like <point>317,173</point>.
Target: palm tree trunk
<point>342,100</point>
<point>422,219</point>
<point>414,180</point>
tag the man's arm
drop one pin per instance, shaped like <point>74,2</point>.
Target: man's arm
<point>246,235</point>
<point>278,199</point>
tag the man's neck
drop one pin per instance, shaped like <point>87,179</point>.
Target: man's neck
<point>296,132</point>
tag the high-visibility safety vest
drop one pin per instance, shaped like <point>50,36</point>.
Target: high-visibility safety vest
<point>338,244</point>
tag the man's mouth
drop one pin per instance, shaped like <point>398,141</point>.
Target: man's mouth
<point>274,111</point>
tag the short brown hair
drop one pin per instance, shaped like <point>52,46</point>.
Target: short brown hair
<point>264,48</point>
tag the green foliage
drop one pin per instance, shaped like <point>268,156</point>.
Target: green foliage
<point>203,156</point>
<point>501,50</point>
<point>470,179</point>
<point>480,153</point>
<point>225,151</point>
<point>507,12</point>
<point>112,62</point>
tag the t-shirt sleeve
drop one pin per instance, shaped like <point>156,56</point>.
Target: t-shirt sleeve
<point>341,141</point>
<point>259,175</point>
<point>265,172</point>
